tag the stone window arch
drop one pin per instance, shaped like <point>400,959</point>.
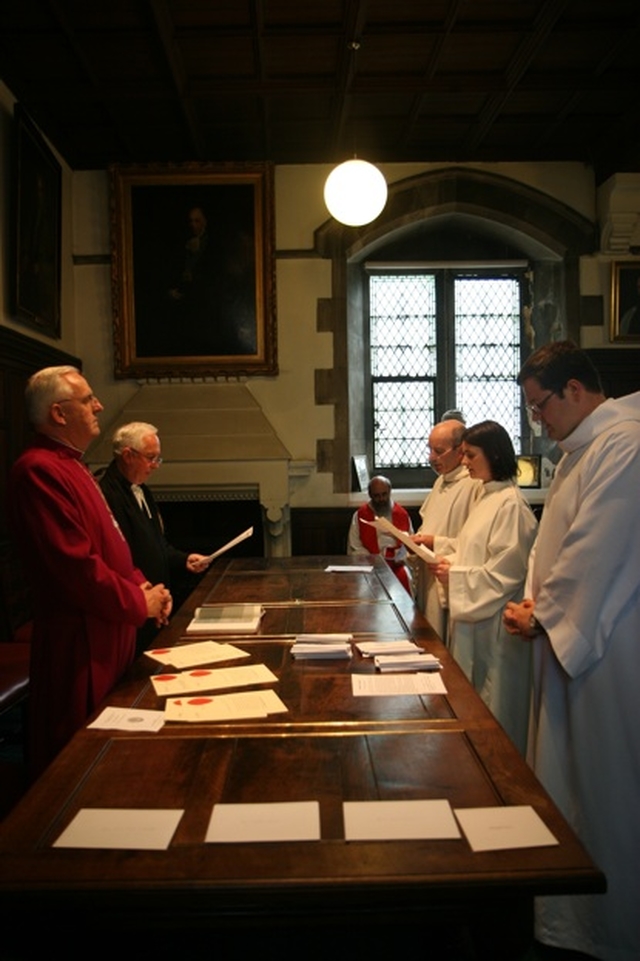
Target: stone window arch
<point>504,211</point>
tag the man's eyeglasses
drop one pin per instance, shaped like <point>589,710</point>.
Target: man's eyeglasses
<point>538,406</point>
<point>150,458</point>
<point>436,452</point>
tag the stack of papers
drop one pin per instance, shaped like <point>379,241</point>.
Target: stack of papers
<point>403,646</point>
<point>407,662</point>
<point>226,619</point>
<point>322,646</point>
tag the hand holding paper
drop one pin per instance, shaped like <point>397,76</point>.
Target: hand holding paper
<point>382,524</point>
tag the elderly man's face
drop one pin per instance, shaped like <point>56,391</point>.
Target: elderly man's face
<point>78,413</point>
<point>444,455</point>
<point>139,463</point>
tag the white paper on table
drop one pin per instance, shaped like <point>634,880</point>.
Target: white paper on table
<point>121,828</point>
<point>385,685</point>
<point>200,652</point>
<point>224,707</point>
<point>398,820</point>
<point>128,719</point>
<point>501,828</point>
<point>202,679</point>
<point>371,648</point>
<point>349,569</point>
<point>384,525</point>
<point>419,661</point>
<point>317,652</point>
<point>324,638</point>
<point>274,821</point>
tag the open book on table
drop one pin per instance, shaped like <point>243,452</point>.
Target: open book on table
<point>226,619</point>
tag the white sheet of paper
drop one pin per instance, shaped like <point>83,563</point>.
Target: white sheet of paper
<point>501,828</point>
<point>384,525</point>
<point>200,652</point>
<point>349,569</point>
<point>127,719</point>
<point>398,820</point>
<point>224,707</point>
<point>187,682</point>
<point>124,829</point>
<point>275,821</point>
<point>385,685</point>
<point>230,544</point>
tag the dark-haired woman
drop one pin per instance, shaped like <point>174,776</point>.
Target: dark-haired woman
<point>482,569</point>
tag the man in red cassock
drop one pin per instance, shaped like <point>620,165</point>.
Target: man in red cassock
<point>88,598</point>
<point>364,539</point>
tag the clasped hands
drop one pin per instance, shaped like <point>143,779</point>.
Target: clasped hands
<point>159,602</point>
<point>517,618</point>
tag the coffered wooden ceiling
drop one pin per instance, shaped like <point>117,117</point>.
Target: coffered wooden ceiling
<point>301,81</point>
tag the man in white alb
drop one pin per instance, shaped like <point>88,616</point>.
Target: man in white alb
<point>444,511</point>
<point>582,612</point>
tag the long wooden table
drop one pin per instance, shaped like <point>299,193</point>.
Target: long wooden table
<point>330,747</point>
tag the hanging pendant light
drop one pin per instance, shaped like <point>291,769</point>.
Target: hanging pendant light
<point>355,193</point>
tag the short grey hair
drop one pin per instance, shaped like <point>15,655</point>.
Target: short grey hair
<point>45,388</point>
<point>130,435</point>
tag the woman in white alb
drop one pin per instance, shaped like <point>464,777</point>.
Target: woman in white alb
<point>482,569</point>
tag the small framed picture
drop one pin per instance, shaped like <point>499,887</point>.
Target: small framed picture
<point>361,471</point>
<point>625,301</point>
<point>529,470</point>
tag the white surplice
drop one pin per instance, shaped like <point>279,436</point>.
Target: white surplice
<point>443,512</point>
<point>488,569</point>
<point>585,737</point>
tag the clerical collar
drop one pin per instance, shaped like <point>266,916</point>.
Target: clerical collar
<point>64,443</point>
<point>138,493</point>
<point>455,474</point>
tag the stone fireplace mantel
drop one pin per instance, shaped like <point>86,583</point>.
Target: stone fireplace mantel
<point>217,444</point>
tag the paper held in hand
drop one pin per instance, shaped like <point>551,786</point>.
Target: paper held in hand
<point>230,544</point>
<point>384,525</point>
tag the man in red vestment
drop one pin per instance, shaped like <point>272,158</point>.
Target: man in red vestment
<point>88,598</point>
<point>364,539</point>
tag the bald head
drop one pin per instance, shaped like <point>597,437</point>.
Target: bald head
<point>380,495</point>
<point>444,446</point>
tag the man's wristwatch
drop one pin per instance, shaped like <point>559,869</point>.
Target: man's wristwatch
<point>535,627</point>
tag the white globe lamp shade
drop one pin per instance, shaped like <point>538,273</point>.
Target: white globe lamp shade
<point>355,193</point>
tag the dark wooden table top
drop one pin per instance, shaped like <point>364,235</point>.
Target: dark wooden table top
<point>329,746</point>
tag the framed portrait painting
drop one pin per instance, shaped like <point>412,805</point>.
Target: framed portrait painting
<point>193,274</point>
<point>625,301</point>
<point>37,197</point>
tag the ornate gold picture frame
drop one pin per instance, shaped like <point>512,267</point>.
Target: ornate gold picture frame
<point>37,198</point>
<point>193,274</point>
<point>625,301</point>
